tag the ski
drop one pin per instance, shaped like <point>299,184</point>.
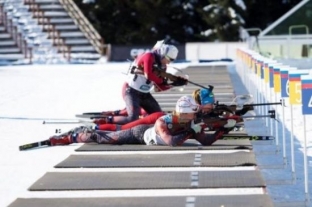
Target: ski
<point>250,137</point>
<point>34,145</point>
<point>93,113</point>
<point>99,115</point>
<point>86,122</point>
<point>90,116</point>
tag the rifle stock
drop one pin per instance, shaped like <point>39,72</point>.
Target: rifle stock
<point>173,78</point>
<point>209,122</point>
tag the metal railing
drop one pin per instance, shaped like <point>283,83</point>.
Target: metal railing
<point>85,26</point>
<point>52,32</point>
<point>17,37</point>
<point>302,26</point>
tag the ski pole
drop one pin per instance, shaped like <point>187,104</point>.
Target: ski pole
<point>31,118</point>
<point>67,122</point>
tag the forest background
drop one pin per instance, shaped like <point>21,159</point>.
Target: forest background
<point>127,22</point>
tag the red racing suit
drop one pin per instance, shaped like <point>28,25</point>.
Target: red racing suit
<point>137,88</point>
<point>149,119</point>
<point>166,131</point>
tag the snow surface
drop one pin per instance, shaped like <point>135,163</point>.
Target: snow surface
<point>33,93</point>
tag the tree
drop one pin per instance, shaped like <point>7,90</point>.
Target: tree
<point>224,18</point>
<point>179,21</point>
<point>143,22</point>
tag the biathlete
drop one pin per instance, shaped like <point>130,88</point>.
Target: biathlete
<point>171,130</point>
<point>142,77</point>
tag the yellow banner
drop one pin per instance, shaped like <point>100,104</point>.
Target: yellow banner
<point>277,82</point>
<point>252,65</point>
<point>266,74</point>
<point>295,92</point>
<point>258,69</point>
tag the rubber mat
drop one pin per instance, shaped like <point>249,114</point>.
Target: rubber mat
<point>176,201</point>
<point>189,145</point>
<point>160,160</point>
<point>54,181</point>
<point>208,68</point>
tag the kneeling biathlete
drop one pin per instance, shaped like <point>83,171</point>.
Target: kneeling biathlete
<point>171,130</point>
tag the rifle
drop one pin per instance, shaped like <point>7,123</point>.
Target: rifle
<point>221,121</point>
<point>173,78</point>
<point>220,108</point>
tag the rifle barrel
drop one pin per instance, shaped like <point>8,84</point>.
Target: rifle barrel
<point>258,116</point>
<point>196,84</point>
<point>263,104</point>
<point>172,77</point>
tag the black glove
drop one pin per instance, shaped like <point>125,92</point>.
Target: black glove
<point>179,82</point>
<point>165,81</point>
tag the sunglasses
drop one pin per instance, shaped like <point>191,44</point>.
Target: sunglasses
<point>170,59</point>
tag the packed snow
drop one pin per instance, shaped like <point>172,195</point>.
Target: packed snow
<point>33,93</point>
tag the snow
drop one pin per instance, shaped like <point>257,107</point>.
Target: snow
<point>241,4</point>
<point>33,93</point>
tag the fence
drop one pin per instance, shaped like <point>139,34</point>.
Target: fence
<point>269,81</point>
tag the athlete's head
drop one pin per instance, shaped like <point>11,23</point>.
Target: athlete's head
<point>205,98</point>
<point>168,53</point>
<point>186,108</point>
<point>158,45</point>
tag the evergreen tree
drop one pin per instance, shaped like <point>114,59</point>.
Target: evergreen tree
<point>225,20</point>
<point>143,22</point>
<point>146,21</point>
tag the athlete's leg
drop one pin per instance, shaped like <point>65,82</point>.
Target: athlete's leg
<point>150,104</point>
<point>129,136</point>
<point>150,119</point>
<point>132,99</point>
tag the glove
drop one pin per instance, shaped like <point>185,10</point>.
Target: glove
<point>196,128</point>
<point>230,123</point>
<point>179,81</point>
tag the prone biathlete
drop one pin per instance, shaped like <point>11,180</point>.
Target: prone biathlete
<point>169,130</point>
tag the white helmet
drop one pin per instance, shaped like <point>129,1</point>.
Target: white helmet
<point>186,104</point>
<point>158,44</point>
<point>169,51</point>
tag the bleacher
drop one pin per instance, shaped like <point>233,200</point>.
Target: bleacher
<point>43,30</point>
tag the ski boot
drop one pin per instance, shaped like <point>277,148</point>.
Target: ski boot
<point>60,140</point>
